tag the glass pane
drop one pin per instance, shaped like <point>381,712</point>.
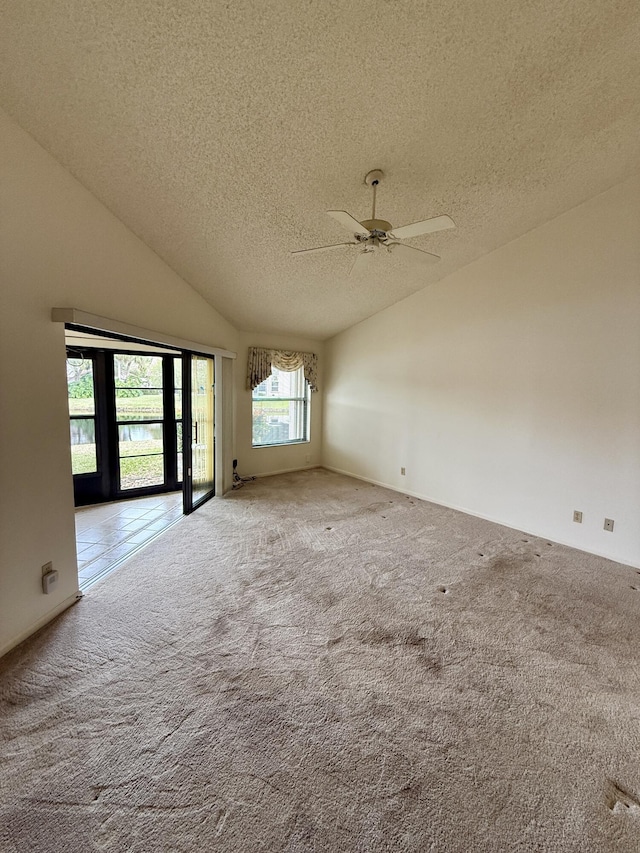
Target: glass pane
<point>138,380</point>
<point>80,386</point>
<point>139,471</point>
<point>179,446</point>
<point>134,404</point>
<point>137,371</point>
<point>140,439</point>
<point>282,384</point>
<point>177,384</point>
<point>202,448</point>
<point>275,422</point>
<point>84,458</point>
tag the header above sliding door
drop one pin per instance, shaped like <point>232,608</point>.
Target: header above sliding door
<point>75,317</point>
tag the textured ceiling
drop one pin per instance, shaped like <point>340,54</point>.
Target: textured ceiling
<point>220,132</point>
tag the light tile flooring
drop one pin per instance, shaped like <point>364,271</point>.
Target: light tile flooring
<point>107,534</point>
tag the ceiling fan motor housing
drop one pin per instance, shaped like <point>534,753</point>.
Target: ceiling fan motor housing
<point>377,227</point>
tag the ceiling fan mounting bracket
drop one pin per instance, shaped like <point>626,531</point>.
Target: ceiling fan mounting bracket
<point>373,178</point>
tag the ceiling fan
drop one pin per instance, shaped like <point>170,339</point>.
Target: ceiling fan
<point>377,235</point>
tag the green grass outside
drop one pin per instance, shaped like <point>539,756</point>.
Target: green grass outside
<point>135,471</point>
<point>271,408</point>
<point>83,458</point>
<point>146,407</point>
<point>138,448</point>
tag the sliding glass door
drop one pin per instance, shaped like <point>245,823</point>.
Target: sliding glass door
<point>125,423</point>
<point>141,423</point>
<point>198,376</point>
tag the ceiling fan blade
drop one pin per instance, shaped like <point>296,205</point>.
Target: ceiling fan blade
<point>427,226</point>
<point>361,262</point>
<point>322,248</point>
<point>414,255</point>
<point>347,221</point>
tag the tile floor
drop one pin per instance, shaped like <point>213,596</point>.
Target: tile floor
<point>107,534</point>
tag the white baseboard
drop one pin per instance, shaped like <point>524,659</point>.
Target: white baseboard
<point>286,471</point>
<point>44,620</point>
<point>529,532</point>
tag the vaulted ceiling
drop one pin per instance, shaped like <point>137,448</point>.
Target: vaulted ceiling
<point>221,132</point>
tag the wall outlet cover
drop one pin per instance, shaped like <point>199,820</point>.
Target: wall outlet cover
<point>49,582</point>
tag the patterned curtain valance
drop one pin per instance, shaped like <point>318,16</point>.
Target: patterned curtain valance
<point>261,361</point>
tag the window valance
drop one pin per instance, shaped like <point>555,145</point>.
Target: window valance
<point>261,361</point>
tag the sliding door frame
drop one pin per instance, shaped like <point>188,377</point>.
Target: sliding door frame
<point>188,502</point>
<point>222,360</point>
<point>105,484</point>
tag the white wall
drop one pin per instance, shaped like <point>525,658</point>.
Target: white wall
<point>270,460</point>
<point>59,247</point>
<point>512,388</point>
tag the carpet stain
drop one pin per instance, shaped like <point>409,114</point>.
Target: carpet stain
<point>380,636</point>
<point>433,665</point>
<point>508,563</point>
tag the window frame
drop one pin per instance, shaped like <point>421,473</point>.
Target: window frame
<point>70,354</point>
<point>120,422</point>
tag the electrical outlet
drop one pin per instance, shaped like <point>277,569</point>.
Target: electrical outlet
<point>577,516</point>
<point>403,471</point>
<point>608,524</point>
<point>48,567</point>
<point>307,458</point>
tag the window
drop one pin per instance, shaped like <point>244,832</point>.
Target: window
<point>82,413</point>
<point>280,409</point>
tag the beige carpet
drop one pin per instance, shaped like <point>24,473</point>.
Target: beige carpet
<point>317,664</point>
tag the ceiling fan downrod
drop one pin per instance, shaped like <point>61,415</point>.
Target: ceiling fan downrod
<point>372,179</point>
<point>377,227</point>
